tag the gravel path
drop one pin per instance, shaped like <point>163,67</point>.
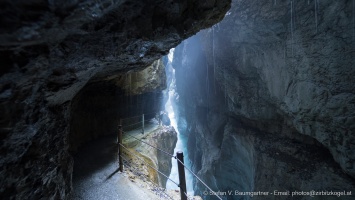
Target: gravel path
<point>96,174</point>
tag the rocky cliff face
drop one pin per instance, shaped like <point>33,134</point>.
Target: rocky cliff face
<point>164,138</point>
<point>271,95</point>
<point>303,65</point>
<point>50,51</point>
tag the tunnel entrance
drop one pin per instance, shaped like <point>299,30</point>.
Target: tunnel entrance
<point>95,115</point>
<point>97,109</point>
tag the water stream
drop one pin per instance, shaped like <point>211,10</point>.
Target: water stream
<point>182,140</point>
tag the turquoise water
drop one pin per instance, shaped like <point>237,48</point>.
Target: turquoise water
<point>181,142</point>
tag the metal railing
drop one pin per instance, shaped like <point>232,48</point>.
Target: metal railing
<point>179,157</point>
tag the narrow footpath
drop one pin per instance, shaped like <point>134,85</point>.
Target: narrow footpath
<point>96,175</point>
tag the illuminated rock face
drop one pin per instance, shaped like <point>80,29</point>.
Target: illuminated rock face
<point>164,138</point>
<point>50,51</point>
<point>276,98</point>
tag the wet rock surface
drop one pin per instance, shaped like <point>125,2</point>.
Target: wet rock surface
<point>270,96</point>
<point>50,50</point>
<point>162,137</point>
<point>294,62</point>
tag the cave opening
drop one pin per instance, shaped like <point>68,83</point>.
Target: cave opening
<point>98,108</point>
<point>244,114</point>
<point>96,112</point>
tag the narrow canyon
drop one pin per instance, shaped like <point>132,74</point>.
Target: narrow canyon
<point>263,92</point>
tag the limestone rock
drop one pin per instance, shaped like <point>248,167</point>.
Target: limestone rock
<point>301,75</point>
<point>282,76</point>
<point>50,50</point>
<point>150,79</point>
<point>164,138</point>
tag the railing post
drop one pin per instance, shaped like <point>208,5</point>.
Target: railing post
<point>181,170</point>
<point>120,147</point>
<point>119,124</point>
<point>143,124</point>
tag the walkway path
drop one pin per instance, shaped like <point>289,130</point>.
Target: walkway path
<point>96,175</point>
<point>149,128</point>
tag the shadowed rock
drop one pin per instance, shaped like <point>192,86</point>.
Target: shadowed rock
<point>50,50</point>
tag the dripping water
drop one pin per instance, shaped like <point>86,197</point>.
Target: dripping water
<point>155,107</point>
<point>214,60</point>
<point>317,4</point>
<point>130,88</point>
<point>218,28</point>
<point>207,85</point>
<point>292,28</point>
<point>137,100</point>
<point>142,104</point>
<point>316,14</point>
<point>275,2</point>
<point>354,21</point>
<point>225,89</point>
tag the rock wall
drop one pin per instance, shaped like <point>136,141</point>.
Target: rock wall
<point>164,138</point>
<point>268,90</point>
<point>97,109</point>
<point>300,65</point>
<point>50,50</point>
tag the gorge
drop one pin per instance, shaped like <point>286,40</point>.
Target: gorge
<point>268,98</point>
<point>266,94</point>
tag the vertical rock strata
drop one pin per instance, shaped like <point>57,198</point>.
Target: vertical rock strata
<point>270,100</point>
<point>164,138</point>
<point>50,51</point>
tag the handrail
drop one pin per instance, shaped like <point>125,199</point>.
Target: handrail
<point>187,196</point>
<point>149,165</point>
<point>139,115</point>
<point>214,193</point>
<point>148,177</point>
<point>139,118</point>
<point>165,152</point>
<point>132,124</point>
<point>171,155</point>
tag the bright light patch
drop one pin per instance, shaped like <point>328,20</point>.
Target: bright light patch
<point>171,55</point>
<point>181,142</point>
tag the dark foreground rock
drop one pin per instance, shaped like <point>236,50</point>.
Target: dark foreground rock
<point>50,50</point>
